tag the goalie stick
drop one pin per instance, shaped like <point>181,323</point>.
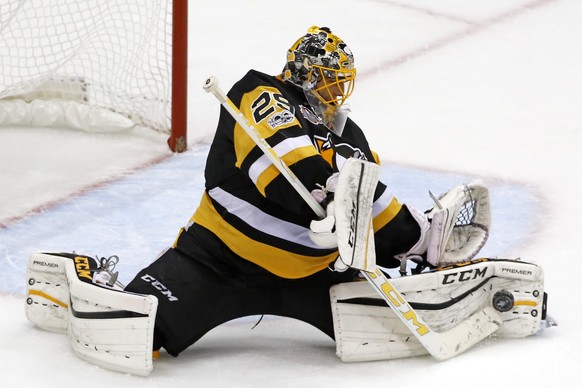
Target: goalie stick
<point>441,345</point>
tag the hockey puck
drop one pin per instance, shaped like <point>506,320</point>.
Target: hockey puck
<point>503,301</point>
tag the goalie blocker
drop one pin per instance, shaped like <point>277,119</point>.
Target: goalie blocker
<point>366,330</point>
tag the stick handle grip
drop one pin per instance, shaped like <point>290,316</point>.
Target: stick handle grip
<point>211,86</point>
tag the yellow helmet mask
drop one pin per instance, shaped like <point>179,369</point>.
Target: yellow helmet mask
<point>323,66</point>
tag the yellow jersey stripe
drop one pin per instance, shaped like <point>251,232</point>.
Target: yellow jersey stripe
<point>384,213</point>
<point>277,261</point>
<point>289,159</point>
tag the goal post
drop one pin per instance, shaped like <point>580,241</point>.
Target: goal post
<point>178,138</point>
<point>104,65</point>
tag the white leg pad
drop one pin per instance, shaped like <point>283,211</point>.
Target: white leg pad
<point>47,299</point>
<point>107,327</point>
<point>367,330</point>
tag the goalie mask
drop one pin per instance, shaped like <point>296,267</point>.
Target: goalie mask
<point>323,66</point>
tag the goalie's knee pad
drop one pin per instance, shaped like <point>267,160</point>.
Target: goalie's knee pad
<point>105,325</point>
<point>366,329</point>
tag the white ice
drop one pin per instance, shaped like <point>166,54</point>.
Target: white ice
<point>447,92</point>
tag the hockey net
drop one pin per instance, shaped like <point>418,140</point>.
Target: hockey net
<point>102,65</point>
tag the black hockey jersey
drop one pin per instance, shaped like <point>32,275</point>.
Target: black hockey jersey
<point>252,208</point>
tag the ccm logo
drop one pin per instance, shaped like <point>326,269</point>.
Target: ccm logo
<point>353,225</point>
<point>160,287</point>
<point>83,268</point>
<point>463,276</point>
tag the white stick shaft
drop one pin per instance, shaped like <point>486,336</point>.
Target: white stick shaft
<point>211,86</point>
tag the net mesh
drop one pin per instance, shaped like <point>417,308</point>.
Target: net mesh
<point>466,214</point>
<point>113,54</point>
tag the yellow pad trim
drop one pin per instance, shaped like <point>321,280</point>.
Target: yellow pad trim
<point>47,296</point>
<point>525,303</point>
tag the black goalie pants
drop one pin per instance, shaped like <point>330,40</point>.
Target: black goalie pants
<point>201,284</point>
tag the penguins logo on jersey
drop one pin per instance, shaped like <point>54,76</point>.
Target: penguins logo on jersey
<point>336,154</point>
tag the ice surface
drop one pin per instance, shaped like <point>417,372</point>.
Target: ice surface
<point>447,92</point>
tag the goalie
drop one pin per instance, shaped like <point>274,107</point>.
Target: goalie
<point>253,247</point>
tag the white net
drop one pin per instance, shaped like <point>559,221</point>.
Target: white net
<point>114,55</point>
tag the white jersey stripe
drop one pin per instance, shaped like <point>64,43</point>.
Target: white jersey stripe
<point>262,221</point>
<point>382,203</point>
<point>281,149</point>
